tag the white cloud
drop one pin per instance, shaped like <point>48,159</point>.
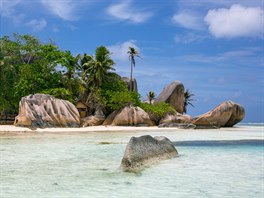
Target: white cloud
<point>238,21</point>
<point>65,9</point>
<point>119,51</point>
<point>6,6</point>
<point>126,12</point>
<point>188,20</point>
<point>37,25</point>
<point>188,38</point>
<point>7,9</point>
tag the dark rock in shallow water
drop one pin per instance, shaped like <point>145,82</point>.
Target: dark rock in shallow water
<point>42,111</point>
<point>146,150</point>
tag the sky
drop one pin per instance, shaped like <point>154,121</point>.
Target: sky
<point>215,48</point>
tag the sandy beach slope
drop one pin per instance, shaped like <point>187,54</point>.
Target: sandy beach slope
<point>11,128</point>
<point>109,132</point>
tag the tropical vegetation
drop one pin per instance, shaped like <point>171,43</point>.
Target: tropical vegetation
<point>158,111</point>
<point>188,98</point>
<point>28,66</point>
<point>151,96</point>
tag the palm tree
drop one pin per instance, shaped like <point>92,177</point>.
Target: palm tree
<point>95,71</point>
<point>151,96</point>
<point>187,100</point>
<point>97,67</point>
<point>132,54</point>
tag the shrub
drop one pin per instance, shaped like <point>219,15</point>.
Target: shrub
<point>157,111</point>
<point>60,93</point>
<point>115,95</point>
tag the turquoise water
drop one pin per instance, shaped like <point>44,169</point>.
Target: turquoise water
<point>87,165</point>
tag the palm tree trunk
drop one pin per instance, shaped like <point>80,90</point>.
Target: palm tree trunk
<point>131,78</point>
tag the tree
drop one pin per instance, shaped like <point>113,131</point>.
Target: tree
<point>133,53</point>
<point>97,67</point>
<point>28,66</point>
<point>70,73</point>
<point>96,71</point>
<point>151,96</point>
<point>187,100</point>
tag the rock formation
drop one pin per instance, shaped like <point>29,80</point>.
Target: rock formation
<point>134,83</point>
<point>174,95</point>
<point>178,125</point>
<point>42,110</point>
<point>146,150</point>
<point>227,114</point>
<point>177,118</point>
<point>129,116</point>
<point>97,119</point>
<point>178,121</point>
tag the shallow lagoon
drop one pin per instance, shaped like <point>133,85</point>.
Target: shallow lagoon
<point>210,164</point>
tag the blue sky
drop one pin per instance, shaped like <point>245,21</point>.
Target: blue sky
<point>215,48</point>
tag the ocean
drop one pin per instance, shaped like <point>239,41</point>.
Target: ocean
<point>226,162</point>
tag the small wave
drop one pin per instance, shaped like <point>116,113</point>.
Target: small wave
<point>253,142</point>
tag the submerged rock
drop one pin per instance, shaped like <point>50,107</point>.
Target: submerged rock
<point>227,114</point>
<point>146,150</point>
<point>129,116</point>
<point>174,95</point>
<point>41,110</point>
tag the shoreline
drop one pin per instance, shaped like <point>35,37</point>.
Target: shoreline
<point>101,128</point>
<point>108,128</point>
<point>113,133</point>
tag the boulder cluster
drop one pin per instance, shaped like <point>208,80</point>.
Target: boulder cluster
<point>42,110</point>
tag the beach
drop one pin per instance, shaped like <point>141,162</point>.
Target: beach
<point>84,162</point>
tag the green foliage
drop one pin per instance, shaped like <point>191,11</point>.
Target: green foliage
<point>27,66</point>
<point>117,100</point>
<point>115,94</point>
<point>96,69</point>
<point>60,93</point>
<point>188,97</point>
<point>151,96</point>
<point>157,111</point>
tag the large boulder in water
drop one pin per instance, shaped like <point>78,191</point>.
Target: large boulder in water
<point>146,150</point>
<point>227,114</point>
<point>42,111</point>
<point>129,116</point>
<point>174,95</point>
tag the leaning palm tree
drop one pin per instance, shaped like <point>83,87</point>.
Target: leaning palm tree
<point>133,53</point>
<point>187,100</point>
<point>151,96</point>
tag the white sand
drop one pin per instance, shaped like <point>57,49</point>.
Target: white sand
<point>11,128</point>
<point>124,133</point>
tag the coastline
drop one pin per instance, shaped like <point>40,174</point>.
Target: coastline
<point>114,133</point>
<point>12,128</point>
